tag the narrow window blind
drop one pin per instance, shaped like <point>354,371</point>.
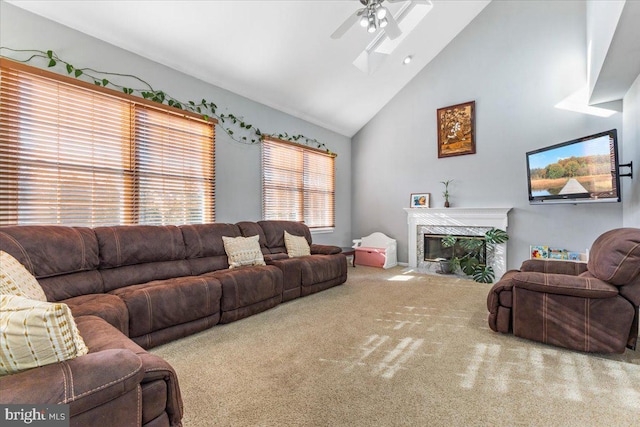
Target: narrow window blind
<point>174,169</point>
<point>298,184</point>
<point>75,155</point>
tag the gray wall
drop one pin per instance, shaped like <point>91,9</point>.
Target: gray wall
<point>517,60</point>
<point>238,173</point>
<point>631,126</point>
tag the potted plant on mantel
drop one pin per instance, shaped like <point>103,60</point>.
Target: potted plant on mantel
<point>446,192</point>
<point>473,262</point>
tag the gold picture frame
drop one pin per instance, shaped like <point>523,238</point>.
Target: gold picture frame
<point>456,130</point>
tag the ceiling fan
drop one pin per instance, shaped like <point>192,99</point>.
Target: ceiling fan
<point>372,16</point>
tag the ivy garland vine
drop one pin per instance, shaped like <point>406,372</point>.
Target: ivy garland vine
<point>248,133</point>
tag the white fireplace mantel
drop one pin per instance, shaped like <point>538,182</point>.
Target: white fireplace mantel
<point>457,217</point>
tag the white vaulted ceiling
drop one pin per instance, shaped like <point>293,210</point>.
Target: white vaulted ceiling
<point>278,53</point>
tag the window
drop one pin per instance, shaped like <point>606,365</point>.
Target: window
<point>298,184</point>
<point>75,154</point>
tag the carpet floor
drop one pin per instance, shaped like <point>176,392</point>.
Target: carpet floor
<point>394,348</point>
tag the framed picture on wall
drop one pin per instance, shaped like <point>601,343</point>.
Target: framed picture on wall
<point>420,200</point>
<point>456,130</point>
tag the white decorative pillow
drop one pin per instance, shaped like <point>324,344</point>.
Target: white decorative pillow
<point>36,333</point>
<point>15,279</point>
<point>296,245</point>
<point>243,251</point>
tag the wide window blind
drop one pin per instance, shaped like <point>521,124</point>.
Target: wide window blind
<point>298,184</point>
<point>76,155</point>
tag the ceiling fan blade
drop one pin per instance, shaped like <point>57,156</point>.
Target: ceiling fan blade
<point>348,23</point>
<point>392,29</point>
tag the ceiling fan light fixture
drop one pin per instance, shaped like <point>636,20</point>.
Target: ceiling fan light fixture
<point>364,21</point>
<point>407,60</point>
<point>381,12</point>
<point>383,22</point>
<point>372,27</point>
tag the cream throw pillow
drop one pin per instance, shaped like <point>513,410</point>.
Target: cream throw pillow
<point>296,245</point>
<point>15,279</point>
<point>243,251</point>
<point>36,333</point>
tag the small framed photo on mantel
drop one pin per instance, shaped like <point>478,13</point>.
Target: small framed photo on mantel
<point>420,200</point>
<point>456,130</point>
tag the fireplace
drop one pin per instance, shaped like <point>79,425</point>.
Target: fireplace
<point>473,222</point>
<point>434,249</point>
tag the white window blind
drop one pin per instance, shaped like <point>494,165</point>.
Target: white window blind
<point>76,155</point>
<point>298,184</point>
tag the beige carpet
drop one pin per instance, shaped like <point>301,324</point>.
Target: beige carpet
<point>390,348</point>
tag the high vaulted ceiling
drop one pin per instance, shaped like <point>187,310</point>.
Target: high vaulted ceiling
<point>278,53</point>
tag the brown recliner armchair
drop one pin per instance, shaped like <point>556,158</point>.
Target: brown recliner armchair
<point>589,307</point>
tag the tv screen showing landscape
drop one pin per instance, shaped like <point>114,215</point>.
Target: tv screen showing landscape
<point>581,170</point>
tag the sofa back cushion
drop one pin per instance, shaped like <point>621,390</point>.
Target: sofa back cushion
<point>204,246</point>
<point>274,233</point>
<point>615,256</point>
<point>63,259</point>
<point>248,229</point>
<point>130,255</point>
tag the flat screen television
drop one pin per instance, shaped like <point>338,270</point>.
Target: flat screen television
<point>583,170</point>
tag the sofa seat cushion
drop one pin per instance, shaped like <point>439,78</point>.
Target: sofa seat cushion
<point>322,268</point>
<point>247,287</point>
<point>164,303</point>
<point>106,306</point>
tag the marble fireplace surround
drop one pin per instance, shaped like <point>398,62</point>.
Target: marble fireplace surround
<point>461,221</point>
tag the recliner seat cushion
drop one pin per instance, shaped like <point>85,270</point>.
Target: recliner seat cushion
<point>322,268</point>
<point>106,306</point>
<point>165,303</point>
<point>247,287</point>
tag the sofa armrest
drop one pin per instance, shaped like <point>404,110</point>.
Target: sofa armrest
<point>561,284</point>
<point>84,383</point>
<point>156,368</point>
<point>570,268</point>
<point>325,249</point>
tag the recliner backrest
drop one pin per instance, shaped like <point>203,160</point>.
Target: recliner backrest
<point>274,233</point>
<point>63,259</point>
<point>134,254</point>
<point>615,256</point>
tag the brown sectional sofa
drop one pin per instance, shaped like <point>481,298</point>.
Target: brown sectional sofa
<point>131,288</point>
